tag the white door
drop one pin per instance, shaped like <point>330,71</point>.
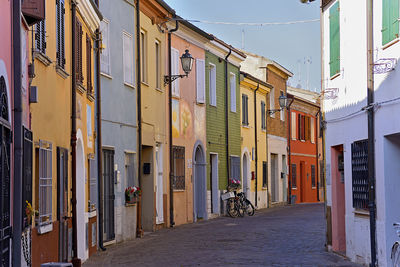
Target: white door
<point>159,185</point>
<point>214,183</point>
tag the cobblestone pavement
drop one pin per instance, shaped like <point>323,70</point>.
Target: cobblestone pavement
<point>280,236</point>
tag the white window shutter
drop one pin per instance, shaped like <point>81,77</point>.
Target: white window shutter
<point>233,92</point>
<point>294,129</point>
<point>213,85</point>
<point>105,53</point>
<point>175,71</point>
<point>200,81</point>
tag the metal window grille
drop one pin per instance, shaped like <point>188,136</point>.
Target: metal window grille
<point>235,168</point>
<point>40,36</point>
<point>93,184</point>
<point>27,175</point>
<point>45,182</point>
<point>179,168</point>
<point>265,174</point>
<point>313,175</point>
<point>359,164</point>
<point>294,180</point>
<point>130,165</point>
<point>263,125</point>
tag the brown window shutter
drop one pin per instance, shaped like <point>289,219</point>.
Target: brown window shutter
<point>80,54</point>
<point>77,51</point>
<point>89,64</point>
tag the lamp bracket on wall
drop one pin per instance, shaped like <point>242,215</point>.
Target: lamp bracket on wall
<point>272,111</point>
<point>168,79</point>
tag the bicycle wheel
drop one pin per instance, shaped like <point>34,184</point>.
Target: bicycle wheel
<point>395,255</point>
<point>240,207</point>
<point>249,207</point>
<point>231,208</point>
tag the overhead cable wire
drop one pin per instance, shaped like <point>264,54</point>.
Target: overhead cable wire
<point>252,23</point>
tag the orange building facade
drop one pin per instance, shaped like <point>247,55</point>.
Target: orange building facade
<point>303,158</point>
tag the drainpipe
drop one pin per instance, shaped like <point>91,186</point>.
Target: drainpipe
<point>371,132</point>
<point>317,152</point>
<point>226,115</point>
<point>255,136</point>
<point>75,260</point>
<point>139,230</point>
<point>289,149</point>
<point>171,156</point>
<point>266,140</point>
<point>99,143</point>
<point>17,195</point>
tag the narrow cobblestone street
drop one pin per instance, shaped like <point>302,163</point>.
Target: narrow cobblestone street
<point>280,236</point>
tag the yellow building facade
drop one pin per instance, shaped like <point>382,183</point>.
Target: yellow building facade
<point>254,97</point>
<point>51,113</point>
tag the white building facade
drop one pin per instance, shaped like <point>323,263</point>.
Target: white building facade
<point>344,84</point>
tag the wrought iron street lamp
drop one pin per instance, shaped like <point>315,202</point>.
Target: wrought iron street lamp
<point>284,103</point>
<point>187,64</point>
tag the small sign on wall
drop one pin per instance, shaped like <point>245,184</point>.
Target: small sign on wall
<point>328,174</point>
<point>189,163</point>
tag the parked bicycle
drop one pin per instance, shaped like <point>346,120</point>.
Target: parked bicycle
<point>395,256</point>
<point>236,203</point>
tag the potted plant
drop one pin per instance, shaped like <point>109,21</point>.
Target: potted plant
<point>132,194</point>
<point>234,184</point>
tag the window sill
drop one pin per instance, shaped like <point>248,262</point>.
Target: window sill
<point>245,126</point>
<point>159,90</point>
<point>390,43</point>
<point>176,97</point>
<point>263,130</point>
<point>145,83</point>
<point>264,188</point>
<point>200,103</point>
<point>80,88</point>
<point>335,76</point>
<point>92,213</point>
<point>45,228</point>
<point>130,204</point>
<point>129,85</point>
<point>60,71</point>
<point>106,75</point>
<point>42,58</point>
<point>361,213</point>
<point>214,106</point>
<point>179,190</point>
<point>90,97</point>
<point>294,188</point>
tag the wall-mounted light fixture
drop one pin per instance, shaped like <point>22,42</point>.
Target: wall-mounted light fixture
<point>187,64</point>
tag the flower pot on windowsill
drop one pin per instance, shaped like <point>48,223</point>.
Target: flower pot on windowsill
<point>131,199</point>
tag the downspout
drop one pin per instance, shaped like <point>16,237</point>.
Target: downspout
<point>256,139</point>
<point>371,132</point>
<point>317,152</point>
<point>139,230</point>
<point>290,156</point>
<point>171,156</point>
<point>266,140</point>
<point>227,116</point>
<point>17,142</point>
<point>99,143</point>
<point>75,260</point>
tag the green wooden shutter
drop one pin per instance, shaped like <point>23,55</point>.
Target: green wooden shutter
<point>334,39</point>
<point>385,22</point>
<point>394,16</point>
<point>390,23</point>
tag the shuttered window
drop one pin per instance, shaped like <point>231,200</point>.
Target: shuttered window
<point>313,181</point>
<point>78,52</point>
<point>200,81</point>
<point>235,168</point>
<point>158,63</point>
<point>312,130</point>
<point>26,175</point>
<point>272,102</point>
<point>127,43</point>
<point>390,23</point>
<point>130,169</point>
<point>175,71</point>
<point>40,36</point>
<point>294,129</point>
<point>294,176</point>
<point>307,128</point>
<point>334,39</point>
<point>89,65</point>
<point>245,110</point>
<point>143,56</point>
<point>93,184</point>
<point>360,174</point>
<point>232,81</point>
<point>265,174</point>
<point>105,52</point>
<point>60,23</point>
<point>213,84</point>
<point>178,171</point>
<point>263,124</point>
<point>45,182</point>
<point>282,113</point>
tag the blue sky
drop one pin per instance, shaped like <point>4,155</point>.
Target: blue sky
<point>290,45</point>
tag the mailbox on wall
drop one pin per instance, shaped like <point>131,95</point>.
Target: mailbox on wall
<point>253,175</point>
<point>146,168</point>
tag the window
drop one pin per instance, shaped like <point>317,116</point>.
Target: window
<point>265,174</point>
<point>235,168</point>
<point>272,102</point>
<point>232,80</point>
<point>60,23</point>
<point>200,81</point>
<point>294,180</point>
<point>312,130</point>
<point>175,61</point>
<point>40,36</point>
<point>294,129</point>
<point>245,110</point>
<point>26,174</point>
<point>127,43</point>
<point>158,64</point>
<point>143,56</point>
<point>89,65</point>
<point>105,66</point>
<point>130,169</point>
<point>213,84</point>
<point>307,128</point>
<point>93,184</point>
<point>282,112</point>
<point>313,182</point>
<point>359,166</point>
<point>45,182</point>
<point>78,53</point>
<point>334,39</point>
<point>263,124</point>
<point>300,128</point>
<point>178,168</point>
<point>390,23</point>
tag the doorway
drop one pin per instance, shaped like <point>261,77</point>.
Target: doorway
<point>200,192</point>
<point>338,200</point>
<point>147,183</point>
<point>159,185</point>
<point>274,178</point>
<point>303,182</point>
<point>108,195</point>
<point>62,202</point>
<point>214,183</point>
<point>245,175</point>
<point>81,197</point>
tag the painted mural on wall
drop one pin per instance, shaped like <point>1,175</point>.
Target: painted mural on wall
<point>175,118</point>
<point>186,120</point>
